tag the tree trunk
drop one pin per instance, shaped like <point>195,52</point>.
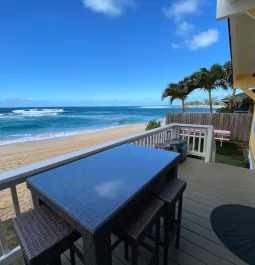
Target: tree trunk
<point>183,106</point>
<point>210,100</point>
<point>231,103</point>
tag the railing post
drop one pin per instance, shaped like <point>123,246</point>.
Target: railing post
<point>208,142</point>
<point>15,200</point>
<point>3,242</point>
<point>174,132</point>
<point>213,148</point>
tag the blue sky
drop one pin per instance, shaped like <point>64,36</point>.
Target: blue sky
<point>104,52</point>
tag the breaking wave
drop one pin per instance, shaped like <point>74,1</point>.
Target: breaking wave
<point>38,112</point>
<point>156,107</point>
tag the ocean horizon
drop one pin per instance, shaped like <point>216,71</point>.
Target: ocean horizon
<point>21,125</point>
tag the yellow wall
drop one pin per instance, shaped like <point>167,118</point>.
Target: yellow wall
<point>252,142</point>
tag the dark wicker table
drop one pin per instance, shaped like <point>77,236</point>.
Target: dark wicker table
<point>95,193</point>
<point>235,227</point>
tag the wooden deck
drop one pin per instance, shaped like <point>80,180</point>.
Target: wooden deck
<point>209,185</point>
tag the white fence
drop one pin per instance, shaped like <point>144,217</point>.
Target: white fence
<point>200,142</point>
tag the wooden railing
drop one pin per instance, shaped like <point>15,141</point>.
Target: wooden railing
<point>200,142</point>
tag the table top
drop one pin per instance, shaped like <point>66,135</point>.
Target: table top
<point>92,189</point>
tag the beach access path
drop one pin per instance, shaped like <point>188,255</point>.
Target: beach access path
<point>14,156</point>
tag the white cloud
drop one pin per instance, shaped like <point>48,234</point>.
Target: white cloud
<point>184,28</point>
<point>30,99</point>
<point>203,39</point>
<point>108,7</point>
<point>175,46</point>
<point>181,8</point>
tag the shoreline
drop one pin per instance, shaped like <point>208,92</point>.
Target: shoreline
<point>19,155</point>
<point>58,136</point>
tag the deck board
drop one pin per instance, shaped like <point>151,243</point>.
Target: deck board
<point>208,186</point>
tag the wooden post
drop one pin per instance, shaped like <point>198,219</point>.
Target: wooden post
<point>3,242</point>
<point>15,200</point>
<point>208,141</point>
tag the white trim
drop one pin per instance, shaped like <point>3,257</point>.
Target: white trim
<point>11,256</point>
<point>250,160</point>
<point>227,8</point>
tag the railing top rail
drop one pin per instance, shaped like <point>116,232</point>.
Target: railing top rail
<point>16,176</point>
<point>193,126</point>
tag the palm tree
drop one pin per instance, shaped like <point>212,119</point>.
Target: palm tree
<point>209,80</point>
<point>228,77</point>
<point>179,90</point>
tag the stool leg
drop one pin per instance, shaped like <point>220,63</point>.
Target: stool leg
<point>126,252</point>
<point>179,220</point>
<point>134,255</point>
<point>25,261</point>
<point>56,261</point>
<point>166,233</point>
<point>72,256</point>
<point>157,242</point>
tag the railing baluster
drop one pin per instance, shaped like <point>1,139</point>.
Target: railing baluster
<point>177,133</point>
<point>151,142</point>
<point>199,142</point>
<point>205,137</point>
<point>3,242</point>
<point>194,140</point>
<point>169,134</point>
<point>183,133</point>
<point>15,200</point>
<point>188,144</point>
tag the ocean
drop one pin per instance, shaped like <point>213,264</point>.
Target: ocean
<point>20,125</point>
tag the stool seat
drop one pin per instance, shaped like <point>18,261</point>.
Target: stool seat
<point>137,227</point>
<point>162,145</point>
<point>43,235</point>
<point>171,190</point>
<point>141,219</point>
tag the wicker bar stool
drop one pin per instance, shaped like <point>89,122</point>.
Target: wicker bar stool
<point>44,236</point>
<point>138,226</point>
<point>171,191</point>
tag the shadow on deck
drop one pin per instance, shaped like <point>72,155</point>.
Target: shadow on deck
<point>208,186</point>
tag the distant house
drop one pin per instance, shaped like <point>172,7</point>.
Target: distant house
<point>242,103</point>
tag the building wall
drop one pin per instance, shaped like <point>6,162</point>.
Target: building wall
<point>252,143</point>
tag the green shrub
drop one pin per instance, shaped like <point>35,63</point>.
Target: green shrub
<point>223,110</point>
<point>152,125</point>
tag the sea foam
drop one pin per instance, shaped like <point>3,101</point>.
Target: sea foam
<point>155,107</point>
<point>38,112</point>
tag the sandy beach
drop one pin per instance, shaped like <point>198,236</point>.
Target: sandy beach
<point>14,156</point>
